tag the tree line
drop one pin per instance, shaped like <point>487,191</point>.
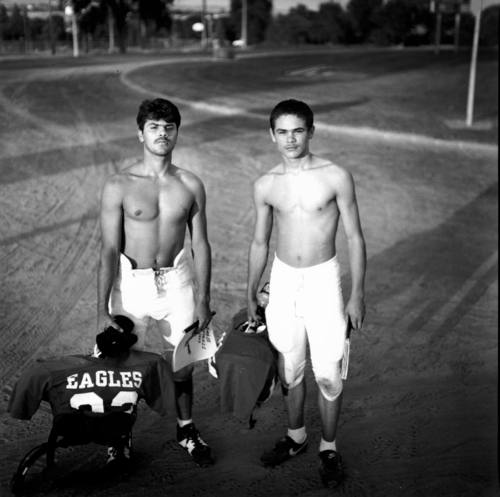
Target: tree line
<point>138,22</point>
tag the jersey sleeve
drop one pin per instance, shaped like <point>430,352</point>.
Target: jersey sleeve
<point>159,386</point>
<point>28,392</point>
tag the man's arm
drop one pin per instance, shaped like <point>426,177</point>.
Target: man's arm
<point>111,217</point>
<point>259,247</point>
<point>348,207</point>
<point>202,253</point>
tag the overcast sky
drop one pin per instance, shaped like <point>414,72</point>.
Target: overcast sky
<point>278,5</point>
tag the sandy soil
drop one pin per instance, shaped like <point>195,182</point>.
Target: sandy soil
<point>420,413</point>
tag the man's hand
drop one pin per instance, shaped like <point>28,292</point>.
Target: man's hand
<point>355,309</point>
<point>253,316</point>
<point>203,314</point>
<point>104,321</point>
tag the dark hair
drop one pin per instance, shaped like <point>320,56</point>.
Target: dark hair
<point>159,108</point>
<point>295,108</point>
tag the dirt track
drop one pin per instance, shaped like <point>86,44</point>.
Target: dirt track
<point>419,415</point>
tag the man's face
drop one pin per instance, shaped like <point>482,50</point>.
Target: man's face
<point>158,136</point>
<point>291,136</point>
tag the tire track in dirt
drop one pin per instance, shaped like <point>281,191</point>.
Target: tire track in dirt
<point>361,132</point>
<point>390,453</point>
<point>16,107</point>
<point>54,278</point>
<point>26,333</point>
<point>54,265</point>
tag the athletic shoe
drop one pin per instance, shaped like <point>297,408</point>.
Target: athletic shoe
<point>189,438</point>
<point>283,450</point>
<point>330,469</point>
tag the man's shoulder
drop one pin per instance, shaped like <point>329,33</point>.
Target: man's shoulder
<point>188,178</point>
<point>123,176</point>
<point>183,173</point>
<point>330,169</point>
<point>130,170</point>
<point>323,164</point>
<point>119,180</point>
<point>277,170</point>
<point>264,182</point>
<point>269,175</point>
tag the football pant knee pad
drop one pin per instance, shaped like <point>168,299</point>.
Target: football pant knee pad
<point>330,388</point>
<point>294,374</point>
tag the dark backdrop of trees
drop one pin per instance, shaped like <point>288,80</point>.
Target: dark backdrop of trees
<point>137,22</point>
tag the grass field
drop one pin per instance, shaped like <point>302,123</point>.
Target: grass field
<point>419,415</point>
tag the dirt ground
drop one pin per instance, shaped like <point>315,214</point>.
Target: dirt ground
<point>419,416</point>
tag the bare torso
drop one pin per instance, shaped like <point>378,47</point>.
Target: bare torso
<point>306,212</point>
<point>155,215</point>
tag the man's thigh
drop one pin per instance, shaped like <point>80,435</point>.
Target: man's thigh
<point>179,314</point>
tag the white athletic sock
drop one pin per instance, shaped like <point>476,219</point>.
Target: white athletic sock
<point>324,445</point>
<point>298,435</point>
<point>184,422</point>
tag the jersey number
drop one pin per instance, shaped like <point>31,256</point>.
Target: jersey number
<point>96,402</point>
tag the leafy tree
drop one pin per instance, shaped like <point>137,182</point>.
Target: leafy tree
<point>16,25</point>
<point>489,27</point>
<point>156,11</point>
<point>57,29</point>
<point>259,13</point>
<point>363,13</point>
<point>151,17</point>
<point>330,24</point>
<point>4,21</point>
<point>294,27</point>
<point>334,23</point>
<point>397,20</point>
<point>92,16</point>
<point>118,9</point>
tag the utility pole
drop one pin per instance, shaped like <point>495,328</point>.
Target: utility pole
<point>458,15</point>
<point>472,73</point>
<point>51,31</point>
<point>25,28</point>
<point>438,23</point>
<point>70,12</point>
<point>111,30</point>
<point>204,38</point>
<point>244,22</point>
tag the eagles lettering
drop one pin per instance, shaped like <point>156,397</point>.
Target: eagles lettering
<point>103,378</point>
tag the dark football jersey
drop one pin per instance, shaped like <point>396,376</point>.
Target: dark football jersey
<point>98,385</point>
<point>246,367</point>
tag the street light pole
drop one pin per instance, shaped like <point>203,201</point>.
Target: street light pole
<point>458,15</point>
<point>244,23</point>
<point>51,31</point>
<point>472,73</point>
<point>437,33</point>
<point>25,27</point>
<point>74,29</point>
<point>204,22</point>
<point>111,30</point>
<point>70,12</point>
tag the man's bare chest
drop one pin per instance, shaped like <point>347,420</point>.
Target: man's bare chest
<point>150,201</point>
<point>302,194</point>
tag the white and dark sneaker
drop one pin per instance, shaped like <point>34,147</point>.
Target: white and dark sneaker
<point>189,438</point>
<point>284,449</point>
<point>331,469</point>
